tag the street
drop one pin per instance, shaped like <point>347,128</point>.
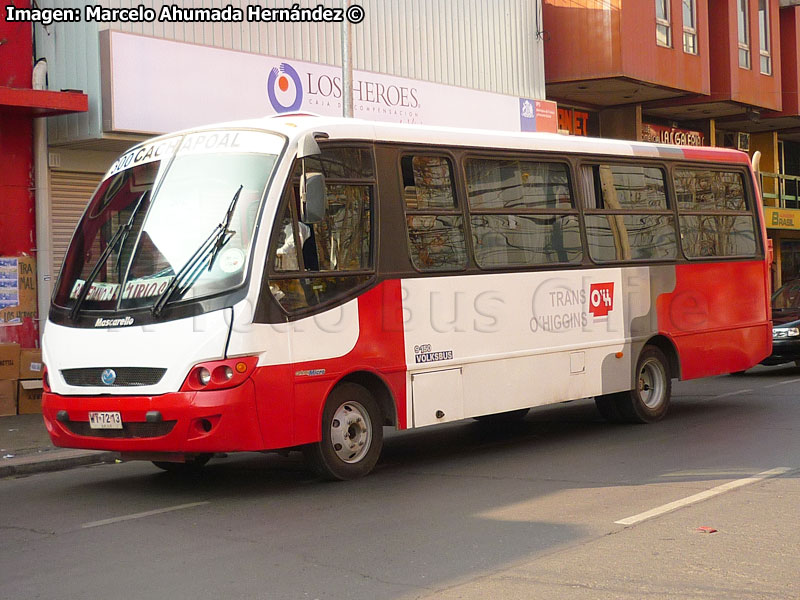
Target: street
<point>457,511</point>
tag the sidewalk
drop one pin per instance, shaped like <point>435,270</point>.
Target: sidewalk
<point>26,448</point>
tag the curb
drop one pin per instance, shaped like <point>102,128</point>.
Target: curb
<point>57,461</point>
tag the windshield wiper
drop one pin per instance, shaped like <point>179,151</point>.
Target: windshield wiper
<point>128,227</point>
<point>192,269</point>
<point>221,239</point>
<point>120,235</point>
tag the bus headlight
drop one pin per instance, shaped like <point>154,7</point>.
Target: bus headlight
<point>219,374</point>
<point>223,373</point>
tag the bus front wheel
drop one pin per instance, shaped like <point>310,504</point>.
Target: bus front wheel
<point>352,435</point>
<point>649,400</point>
<point>192,465</point>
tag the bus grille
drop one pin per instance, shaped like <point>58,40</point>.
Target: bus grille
<point>129,430</point>
<point>126,376</point>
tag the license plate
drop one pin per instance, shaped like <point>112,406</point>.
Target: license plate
<point>105,420</point>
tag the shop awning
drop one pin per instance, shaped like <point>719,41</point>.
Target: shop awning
<point>41,103</point>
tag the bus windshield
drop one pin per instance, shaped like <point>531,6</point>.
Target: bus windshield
<point>148,221</point>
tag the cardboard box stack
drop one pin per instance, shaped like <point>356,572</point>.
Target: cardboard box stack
<point>29,394</point>
<point>9,372</point>
<point>21,373</point>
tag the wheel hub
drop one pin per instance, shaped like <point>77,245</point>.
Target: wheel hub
<point>652,384</point>
<point>351,432</point>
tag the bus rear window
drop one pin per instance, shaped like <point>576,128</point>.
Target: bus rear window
<point>714,215</point>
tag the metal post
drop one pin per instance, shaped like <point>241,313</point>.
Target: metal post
<point>347,67</point>
<point>44,250</point>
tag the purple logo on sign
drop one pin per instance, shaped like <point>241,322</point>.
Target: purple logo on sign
<point>284,89</point>
<point>527,115</point>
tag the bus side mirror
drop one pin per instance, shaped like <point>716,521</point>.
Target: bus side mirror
<point>307,146</point>
<point>312,198</point>
<point>312,185</point>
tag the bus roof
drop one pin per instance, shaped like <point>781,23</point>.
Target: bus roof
<point>339,128</point>
<point>295,125</point>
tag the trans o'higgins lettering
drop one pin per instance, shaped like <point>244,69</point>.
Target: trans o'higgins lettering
<point>121,322</point>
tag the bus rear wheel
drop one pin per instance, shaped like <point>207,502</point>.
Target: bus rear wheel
<point>649,400</point>
<point>352,435</point>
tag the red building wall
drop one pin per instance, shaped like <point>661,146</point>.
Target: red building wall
<point>728,80</point>
<point>790,59</point>
<point>645,60</point>
<point>17,218</point>
<point>597,39</point>
<point>583,39</point>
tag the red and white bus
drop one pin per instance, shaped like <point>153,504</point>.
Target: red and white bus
<point>300,282</point>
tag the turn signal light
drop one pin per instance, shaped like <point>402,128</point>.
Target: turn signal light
<point>219,374</point>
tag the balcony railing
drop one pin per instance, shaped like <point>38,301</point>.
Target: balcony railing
<point>780,191</point>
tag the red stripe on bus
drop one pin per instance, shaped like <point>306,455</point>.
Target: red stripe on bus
<point>291,397</point>
<point>276,408</point>
<point>716,154</point>
<point>231,414</point>
<point>719,328</point>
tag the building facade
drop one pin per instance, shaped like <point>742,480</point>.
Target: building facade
<point>698,72</point>
<point>701,72</point>
<point>415,61</point>
<point>23,106</point>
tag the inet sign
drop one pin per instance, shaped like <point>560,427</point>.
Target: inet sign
<point>601,299</point>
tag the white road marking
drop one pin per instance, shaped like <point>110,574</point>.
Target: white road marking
<point>736,393</point>
<point>772,385</point>
<point>721,489</point>
<point>140,515</point>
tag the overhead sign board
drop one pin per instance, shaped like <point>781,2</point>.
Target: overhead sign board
<point>672,135</point>
<point>781,218</point>
<point>575,122</point>
<point>198,85</point>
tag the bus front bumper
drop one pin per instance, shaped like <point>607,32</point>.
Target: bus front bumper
<point>178,423</point>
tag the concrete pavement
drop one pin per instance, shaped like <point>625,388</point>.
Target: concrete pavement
<point>25,448</point>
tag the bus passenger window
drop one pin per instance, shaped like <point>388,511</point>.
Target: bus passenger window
<point>628,216</point>
<point>433,220</point>
<point>521,213</point>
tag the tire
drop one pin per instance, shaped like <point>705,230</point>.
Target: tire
<point>352,435</point>
<point>607,407</point>
<point>191,466</point>
<point>503,418</point>
<point>649,401</point>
